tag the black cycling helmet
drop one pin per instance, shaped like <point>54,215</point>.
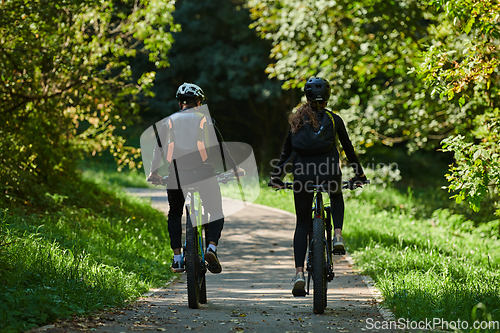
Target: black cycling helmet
<point>189,91</point>
<point>317,89</point>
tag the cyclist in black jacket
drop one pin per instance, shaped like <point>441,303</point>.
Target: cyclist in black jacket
<point>312,142</point>
<point>191,168</point>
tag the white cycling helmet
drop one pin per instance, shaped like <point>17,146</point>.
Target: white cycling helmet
<point>190,90</point>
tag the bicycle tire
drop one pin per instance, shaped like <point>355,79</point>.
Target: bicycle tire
<point>192,265</point>
<point>329,242</point>
<point>319,263</point>
<point>325,296</point>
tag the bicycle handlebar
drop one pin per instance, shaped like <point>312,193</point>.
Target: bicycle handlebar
<point>324,188</point>
<point>224,178</point>
<point>221,177</point>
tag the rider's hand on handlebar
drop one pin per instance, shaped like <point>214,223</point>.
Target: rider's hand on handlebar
<point>357,181</point>
<point>239,172</point>
<point>154,178</point>
<point>276,183</point>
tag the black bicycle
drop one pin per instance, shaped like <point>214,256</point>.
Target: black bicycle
<point>319,260</point>
<point>193,255</point>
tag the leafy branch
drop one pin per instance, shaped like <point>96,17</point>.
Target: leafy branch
<point>66,82</point>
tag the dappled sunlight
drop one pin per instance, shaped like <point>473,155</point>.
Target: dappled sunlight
<point>253,291</point>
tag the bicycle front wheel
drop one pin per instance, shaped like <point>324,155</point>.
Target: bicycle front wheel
<point>192,265</point>
<point>319,265</point>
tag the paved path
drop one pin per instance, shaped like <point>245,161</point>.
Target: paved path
<point>253,292</point>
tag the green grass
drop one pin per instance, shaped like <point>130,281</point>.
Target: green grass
<point>107,174</point>
<point>424,270</point>
<point>437,267</point>
<point>277,199</point>
<point>80,245</point>
<point>43,282</point>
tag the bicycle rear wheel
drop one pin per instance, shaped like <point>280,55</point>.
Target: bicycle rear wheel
<point>319,264</point>
<point>192,265</point>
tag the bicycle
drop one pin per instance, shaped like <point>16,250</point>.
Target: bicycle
<point>193,255</point>
<point>319,260</point>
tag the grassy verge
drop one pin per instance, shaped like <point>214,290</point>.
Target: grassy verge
<point>83,245</point>
<point>76,247</point>
<point>424,269</point>
<point>107,174</point>
<point>438,267</point>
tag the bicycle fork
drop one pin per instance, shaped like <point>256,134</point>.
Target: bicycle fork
<point>199,228</point>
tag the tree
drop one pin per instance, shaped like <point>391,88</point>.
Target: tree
<point>65,81</point>
<point>364,48</point>
<point>217,50</point>
<point>464,64</point>
<point>376,54</point>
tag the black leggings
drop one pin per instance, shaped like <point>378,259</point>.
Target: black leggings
<point>303,203</point>
<point>212,201</point>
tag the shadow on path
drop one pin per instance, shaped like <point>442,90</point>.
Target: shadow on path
<point>253,292</point>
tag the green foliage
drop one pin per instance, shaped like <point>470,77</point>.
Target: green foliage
<point>468,54</point>
<point>43,282</point>
<point>65,81</point>
<point>481,313</point>
<point>217,50</point>
<point>277,199</point>
<point>375,53</point>
<point>364,48</point>
<point>476,171</point>
<point>102,170</point>
<point>79,248</point>
<point>133,178</point>
<point>428,268</point>
<point>463,65</point>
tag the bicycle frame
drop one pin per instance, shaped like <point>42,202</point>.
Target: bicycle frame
<point>320,264</point>
<point>322,212</point>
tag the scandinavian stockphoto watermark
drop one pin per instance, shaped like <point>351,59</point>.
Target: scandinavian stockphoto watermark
<point>380,174</point>
<point>186,148</point>
<point>429,324</point>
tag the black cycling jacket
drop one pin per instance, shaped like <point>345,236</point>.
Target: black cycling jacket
<point>323,157</point>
